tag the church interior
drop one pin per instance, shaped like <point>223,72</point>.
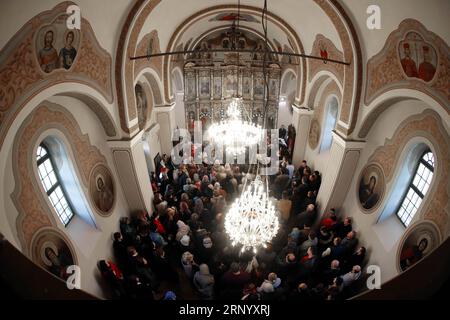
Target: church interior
<point>243,150</point>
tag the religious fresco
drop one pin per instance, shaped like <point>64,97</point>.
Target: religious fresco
<point>217,86</point>
<point>371,187</point>
<point>191,116</point>
<point>314,134</point>
<point>224,75</point>
<point>418,58</point>
<point>102,189</point>
<point>56,46</point>
<point>273,88</point>
<point>422,238</point>
<point>247,87</point>
<point>325,48</point>
<point>190,84</point>
<point>232,16</point>
<point>205,86</point>
<point>412,58</point>
<point>51,252</point>
<point>230,84</point>
<point>141,105</point>
<point>258,86</point>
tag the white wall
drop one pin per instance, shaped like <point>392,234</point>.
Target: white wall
<point>90,244</point>
<point>431,13</point>
<point>381,239</point>
<point>106,17</point>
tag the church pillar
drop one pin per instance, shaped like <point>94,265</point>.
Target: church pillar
<point>301,121</point>
<point>165,116</point>
<point>338,175</point>
<point>131,165</point>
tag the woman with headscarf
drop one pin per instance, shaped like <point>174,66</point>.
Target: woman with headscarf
<point>185,213</point>
<point>218,202</point>
<point>204,282</point>
<point>198,206</point>
<point>204,184</point>
<point>183,229</point>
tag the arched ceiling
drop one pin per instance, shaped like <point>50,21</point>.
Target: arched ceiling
<point>305,18</point>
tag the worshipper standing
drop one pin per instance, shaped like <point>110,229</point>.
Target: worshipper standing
<point>350,277</point>
<point>233,281</point>
<point>188,264</point>
<point>343,228</point>
<point>204,282</point>
<point>284,206</point>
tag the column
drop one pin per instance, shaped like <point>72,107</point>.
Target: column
<point>165,116</point>
<point>301,121</point>
<point>129,159</point>
<point>339,172</point>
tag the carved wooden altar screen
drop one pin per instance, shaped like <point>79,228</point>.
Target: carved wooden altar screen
<point>213,78</point>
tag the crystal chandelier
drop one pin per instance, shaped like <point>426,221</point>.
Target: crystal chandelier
<point>252,220</point>
<point>234,133</point>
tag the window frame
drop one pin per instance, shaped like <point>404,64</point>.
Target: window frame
<point>413,187</point>
<point>57,184</point>
<point>326,116</point>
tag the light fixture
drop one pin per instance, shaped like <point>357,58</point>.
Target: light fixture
<point>234,133</point>
<point>237,132</point>
<point>252,220</point>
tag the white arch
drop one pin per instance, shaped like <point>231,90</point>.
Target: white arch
<point>155,82</point>
<point>177,79</point>
<point>387,99</point>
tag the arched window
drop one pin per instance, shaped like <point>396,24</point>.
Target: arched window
<point>329,124</point>
<point>51,182</point>
<point>417,189</point>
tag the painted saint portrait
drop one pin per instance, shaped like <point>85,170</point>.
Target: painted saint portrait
<point>48,57</point>
<point>190,87</point>
<point>230,85</point>
<point>314,134</point>
<point>217,87</point>
<point>273,88</point>
<point>204,87</point>
<point>246,88</point>
<point>51,252</point>
<point>141,105</point>
<point>258,90</point>
<point>418,58</point>
<point>68,53</point>
<point>102,189</point>
<point>259,51</point>
<point>421,240</point>
<point>371,187</point>
<point>56,46</point>
<point>226,43</point>
<point>191,120</point>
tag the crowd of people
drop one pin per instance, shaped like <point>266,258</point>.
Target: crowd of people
<point>183,242</point>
